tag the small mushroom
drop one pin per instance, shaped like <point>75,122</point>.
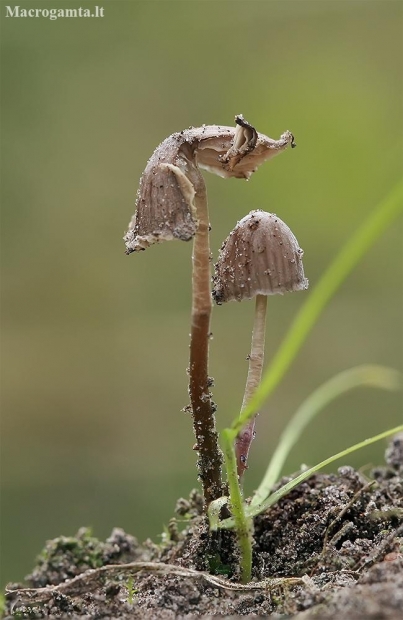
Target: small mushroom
<point>260,257</point>
<point>172,204</point>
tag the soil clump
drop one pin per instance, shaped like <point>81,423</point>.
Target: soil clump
<point>339,538</point>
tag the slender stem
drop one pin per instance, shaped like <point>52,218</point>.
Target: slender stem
<point>256,358</point>
<point>210,456</point>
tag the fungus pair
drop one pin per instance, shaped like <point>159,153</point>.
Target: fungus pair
<point>172,204</point>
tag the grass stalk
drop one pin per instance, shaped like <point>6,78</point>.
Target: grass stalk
<point>242,524</point>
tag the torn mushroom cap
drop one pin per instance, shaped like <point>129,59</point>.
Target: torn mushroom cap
<point>165,206</point>
<point>261,256</point>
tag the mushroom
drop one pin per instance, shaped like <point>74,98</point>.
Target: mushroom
<point>260,257</point>
<point>172,204</point>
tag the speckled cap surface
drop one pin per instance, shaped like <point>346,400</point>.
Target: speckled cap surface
<point>165,206</point>
<point>261,256</point>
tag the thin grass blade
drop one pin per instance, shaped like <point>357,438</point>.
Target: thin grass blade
<point>275,497</point>
<point>369,375</point>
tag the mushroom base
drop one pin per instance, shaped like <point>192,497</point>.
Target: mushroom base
<point>341,536</point>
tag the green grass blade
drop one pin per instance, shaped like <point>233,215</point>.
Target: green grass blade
<point>334,276</point>
<point>370,375</point>
<point>241,522</point>
<point>275,497</point>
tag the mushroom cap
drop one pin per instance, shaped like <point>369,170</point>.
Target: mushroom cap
<point>261,256</point>
<point>165,207</point>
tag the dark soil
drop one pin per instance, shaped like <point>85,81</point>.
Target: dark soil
<point>339,536</point>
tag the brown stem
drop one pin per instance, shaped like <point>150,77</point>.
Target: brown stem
<point>256,358</point>
<point>210,456</point>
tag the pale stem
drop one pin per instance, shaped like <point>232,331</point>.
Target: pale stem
<point>256,359</point>
<point>210,456</point>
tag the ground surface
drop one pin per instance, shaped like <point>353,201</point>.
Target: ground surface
<point>339,536</point>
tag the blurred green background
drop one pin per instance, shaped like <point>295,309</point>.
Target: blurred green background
<point>95,343</point>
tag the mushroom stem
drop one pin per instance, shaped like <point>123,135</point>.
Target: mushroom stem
<point>210,456</point>
<point>256,358</point>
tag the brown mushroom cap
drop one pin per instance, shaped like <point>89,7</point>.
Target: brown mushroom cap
<point>165,207</point>
<point>261,256</point>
